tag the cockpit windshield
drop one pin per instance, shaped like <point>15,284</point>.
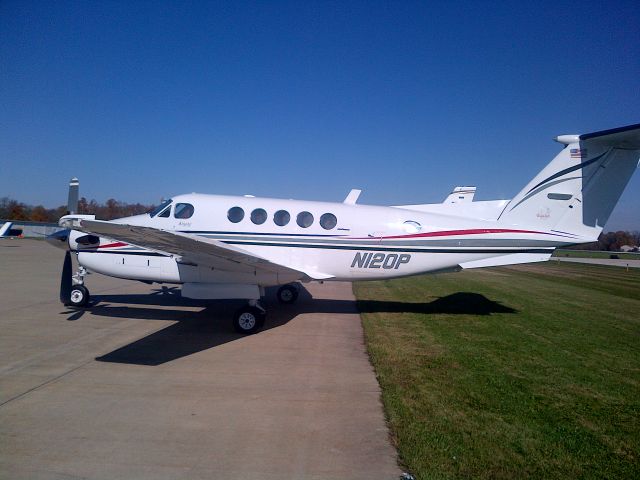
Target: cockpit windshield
<point>159,208</point>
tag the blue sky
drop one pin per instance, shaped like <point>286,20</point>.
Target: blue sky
<point>307,99</point>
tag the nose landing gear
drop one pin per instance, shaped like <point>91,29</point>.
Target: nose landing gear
<point>79,296</point>
<point>73,293</point>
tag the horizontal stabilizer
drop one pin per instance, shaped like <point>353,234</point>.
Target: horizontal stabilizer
<point>624,137</point>
<point>511,259</point>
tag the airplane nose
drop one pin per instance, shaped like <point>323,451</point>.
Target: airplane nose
<point>59,239</point>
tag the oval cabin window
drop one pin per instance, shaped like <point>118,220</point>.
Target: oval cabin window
<point>259,216</point>
<point>235,214</point>
<point>281,218</point>
<point>305,219</point>
<point>328,221</point>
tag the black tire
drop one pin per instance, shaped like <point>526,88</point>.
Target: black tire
<point>287,294</point>
<point>248,320</point>
<point>79,296</point>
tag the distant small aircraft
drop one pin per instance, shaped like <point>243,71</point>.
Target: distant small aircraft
<point>232,247</point>
<point>7,232</point>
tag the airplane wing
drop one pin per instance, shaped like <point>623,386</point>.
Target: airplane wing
<point>190,248</point>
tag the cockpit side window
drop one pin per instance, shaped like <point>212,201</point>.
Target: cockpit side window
<point>183,210</point>
<point>165,213</point>
<point>160,208</point>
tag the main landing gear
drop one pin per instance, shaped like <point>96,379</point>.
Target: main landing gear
<point>250,318</point>
<point>287,293</point>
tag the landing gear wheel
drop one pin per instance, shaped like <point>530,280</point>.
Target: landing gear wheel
<point>79,296</point>
<point>248,320</point>
<point>287,294</point>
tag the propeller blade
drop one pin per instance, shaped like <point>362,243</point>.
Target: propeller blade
<point>65,279</point>
<point>59,239</point>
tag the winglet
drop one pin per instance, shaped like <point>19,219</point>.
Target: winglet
<point>352,198</point>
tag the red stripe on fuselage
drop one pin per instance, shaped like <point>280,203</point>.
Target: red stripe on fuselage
<point>447,233</point>
<point>113,245</point>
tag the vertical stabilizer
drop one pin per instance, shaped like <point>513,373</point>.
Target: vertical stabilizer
<point>578,190</point>
<point>461,195</point>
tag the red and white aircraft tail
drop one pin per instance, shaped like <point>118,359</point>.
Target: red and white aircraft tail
<point>578,190</point>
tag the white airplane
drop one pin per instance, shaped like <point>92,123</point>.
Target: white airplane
<point>230,247</point>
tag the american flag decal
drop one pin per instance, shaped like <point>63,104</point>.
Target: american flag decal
<point>577,153</point>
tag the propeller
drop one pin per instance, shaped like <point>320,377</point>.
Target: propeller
<point>60,239</point>
<point>65,279</point>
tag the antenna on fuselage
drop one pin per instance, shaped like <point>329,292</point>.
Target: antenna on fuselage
<point>72,202</point>
<point>352,198</point>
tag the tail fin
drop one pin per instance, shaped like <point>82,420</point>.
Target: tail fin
<point>4,229</point>
<point>461,195</point>
<point>7,231</point>
<point>578,190</point>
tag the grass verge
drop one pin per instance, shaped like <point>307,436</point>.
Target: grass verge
<point>526,371</point>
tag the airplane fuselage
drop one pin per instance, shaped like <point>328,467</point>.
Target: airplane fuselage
<point>326,241</point>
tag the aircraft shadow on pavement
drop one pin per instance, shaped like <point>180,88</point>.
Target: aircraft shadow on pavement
<point>198,330</point>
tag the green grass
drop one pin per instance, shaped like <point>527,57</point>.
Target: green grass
<point>595,254</point>
<point>527,371</point>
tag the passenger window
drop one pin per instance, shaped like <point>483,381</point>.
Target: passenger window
<point>328,221</point>
<point>281,218</point>
<point>258,216</point>
<point>235,214</point>
<point>165,213</point>
<point>305,219</point>
<point>183,210</point>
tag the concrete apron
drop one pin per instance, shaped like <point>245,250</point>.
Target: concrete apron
<point>145,385</point>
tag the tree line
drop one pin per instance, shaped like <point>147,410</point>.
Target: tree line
<point>612,241</point>
<point>13,210</point>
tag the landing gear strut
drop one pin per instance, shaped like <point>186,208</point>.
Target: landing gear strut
<point>250,318</point>
<point>73,293</point>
